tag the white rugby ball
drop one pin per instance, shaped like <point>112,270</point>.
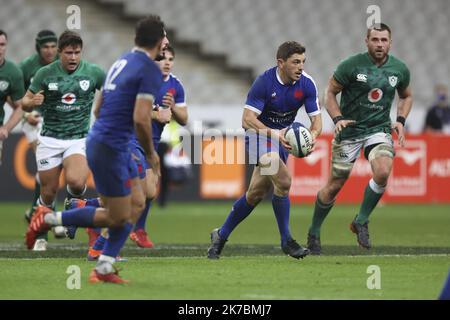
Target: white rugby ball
<point>300,139</point>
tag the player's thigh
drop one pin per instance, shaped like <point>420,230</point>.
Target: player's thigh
<point>379,150</point>
<point>343,156</point>
<point>112,169</point>
<point>50,178</point>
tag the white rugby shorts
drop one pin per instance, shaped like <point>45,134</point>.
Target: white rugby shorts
<point>51,152</point>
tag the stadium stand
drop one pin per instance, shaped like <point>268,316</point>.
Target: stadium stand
<point>247,33</point>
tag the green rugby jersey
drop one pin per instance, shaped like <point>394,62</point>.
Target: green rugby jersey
<point>68,98</point>
<point>368,93</point>
<point>11,84</point>
<point>29,68</point>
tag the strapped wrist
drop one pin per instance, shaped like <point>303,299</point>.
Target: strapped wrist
<point>401,119</point>
<point>337,119</point>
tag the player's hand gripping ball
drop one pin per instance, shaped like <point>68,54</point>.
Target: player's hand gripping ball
<point>300,139</point>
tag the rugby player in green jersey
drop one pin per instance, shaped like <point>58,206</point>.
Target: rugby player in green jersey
<point>367,83</point>
<point>11,87</point>
<point>64,92</point>
<point>46,47</point>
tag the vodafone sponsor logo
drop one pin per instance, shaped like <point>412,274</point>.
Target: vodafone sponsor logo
<point>309,174</point>
<point>375,95</point>
<point>409,174</point>
<point>69,98</point>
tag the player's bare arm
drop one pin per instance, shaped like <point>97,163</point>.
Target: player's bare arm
<point>15,118</point>
<point>31,100</point>
<point>142,123</point>
<point>315,129</point>
<point>403,109</point>
<point>333,109</point>
<point>250,121</point>
<point>179,113</point>
<point>98,103</point>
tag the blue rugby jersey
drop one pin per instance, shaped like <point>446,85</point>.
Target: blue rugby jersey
<point>277,104</point>
<point>134,74</point>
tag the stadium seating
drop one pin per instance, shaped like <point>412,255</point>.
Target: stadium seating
<point>248,32</point>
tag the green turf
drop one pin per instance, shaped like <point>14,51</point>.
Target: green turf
<point>411,247</point>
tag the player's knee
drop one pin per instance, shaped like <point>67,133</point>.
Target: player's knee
<point>138,206</point>
<point>283,185</point>
<point>255,196</point>
<point>77,184</point>
<point>381,175</point>
<point>117,222</point>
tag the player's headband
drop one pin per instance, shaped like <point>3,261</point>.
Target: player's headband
<point>45,36</point>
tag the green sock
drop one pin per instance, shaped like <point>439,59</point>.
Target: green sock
<point>321,211</point>
<point>372,195</point>
<point>37,192</point>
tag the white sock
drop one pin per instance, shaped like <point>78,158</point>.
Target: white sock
<point>53,219</point>
<point>376,187</point>
<point>105,264</point>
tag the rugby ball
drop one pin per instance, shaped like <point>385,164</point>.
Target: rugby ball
<point>300,139</point>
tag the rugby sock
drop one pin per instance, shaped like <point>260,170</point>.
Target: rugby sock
<point>80,217</point>
<point>37,192</point>
<point>105,264</point>
<point>99,243</point>
<point>281,207</point>
<point>116,240</point>
<point>240,210</point>
<point>93,202</point>
<point>372,195</point>
<point>445,294</point>
<point>140,224</point>
<point>321,211</point>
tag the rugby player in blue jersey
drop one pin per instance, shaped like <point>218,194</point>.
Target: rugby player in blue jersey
<point>169,104</point>
<point>272,105</point>
<point>126,104</point>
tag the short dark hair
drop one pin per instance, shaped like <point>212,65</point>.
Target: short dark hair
<point>149,31</point>
<point>378,27</point>
<point>288,48</point>
<point>69,38</point>
<point>3,33</point>
<point>170,49</point>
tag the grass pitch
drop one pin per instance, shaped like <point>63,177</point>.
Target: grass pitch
<point>411,248</point>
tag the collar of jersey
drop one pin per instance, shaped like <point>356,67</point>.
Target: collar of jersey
<point>373,62</point>
<point>279,79</point>
<point>141,50</point>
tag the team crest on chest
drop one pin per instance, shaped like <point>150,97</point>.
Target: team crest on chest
<point>4,85</point>
<point>84,84</point>
<point>393,81</point>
